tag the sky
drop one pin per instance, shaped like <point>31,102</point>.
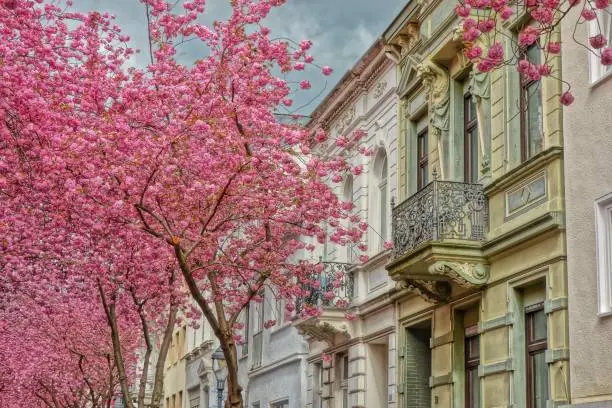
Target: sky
<point>341,31</point>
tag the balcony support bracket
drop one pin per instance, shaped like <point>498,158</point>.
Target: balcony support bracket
<point>468,275</point>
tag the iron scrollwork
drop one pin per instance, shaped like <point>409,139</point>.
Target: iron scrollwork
<point>441,210</point>
<point>327,279</point>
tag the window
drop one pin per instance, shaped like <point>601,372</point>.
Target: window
<point>603,223</point>
<point>280,312</point>
<point>601,25</point>
<point>531,109</point>
<point>342,364</point>
<point>422,159</point>
<point>258,325</point>
<point>349,197</point>
<point>472,360</point>
<point>256,405</point>
<point>180,400</point>
<point>245,345</point>
<point>280,404</point>
<point>537,368</point>
<point>318,386</point>
<point>380,167</point>
<point>470,142</point>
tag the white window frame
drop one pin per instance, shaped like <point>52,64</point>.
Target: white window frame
<point>603,227</point>
<point>597,71</point>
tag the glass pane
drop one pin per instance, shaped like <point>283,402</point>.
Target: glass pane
<point>540,380</point>
<point>534,119</point>
<point>539,325</point>
<point>471,109</point>
<point>383,214</point>
<point>474,347</point>
<point>345,367</point>
<point>533,54</point>
<point>345,398</point>
<point>474,389</point>
<point>474,155</point>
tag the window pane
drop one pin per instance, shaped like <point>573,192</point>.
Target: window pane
<point>533,54</point>
<point>534,119</point>
<point>474,389</point>
<point>473,135</point>
<point>539,325</point>
<point>383,213</point>
<point>540,380</point>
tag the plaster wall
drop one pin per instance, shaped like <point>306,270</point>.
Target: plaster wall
<point>588,142</point>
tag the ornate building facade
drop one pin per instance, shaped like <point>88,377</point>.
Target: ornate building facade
<point>478,224</point>
<point>353,363</point>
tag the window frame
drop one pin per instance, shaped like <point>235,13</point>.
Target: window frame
<point>597,71</point>
<point>422,158</point>
<point>468,127</point>
<point>603,245</point>
<point>533,347</point>
<point>247,323</point>
<point>471,362</point>
<point>524,96</point>
<point>383,194</point>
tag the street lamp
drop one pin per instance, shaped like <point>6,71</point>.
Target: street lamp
<point>220,370</point>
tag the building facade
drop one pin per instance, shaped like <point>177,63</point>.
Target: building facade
<point>478,224</point>
<point>352,363</point>
<point>589,218</point>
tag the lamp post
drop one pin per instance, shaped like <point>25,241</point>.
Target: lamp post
<point>220,370</point>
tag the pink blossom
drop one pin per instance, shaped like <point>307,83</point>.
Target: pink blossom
<point>506,13</point>
<point>364,258</point>
<point>462,10</point>
<point>308,59</point>
<point>567,98</point>
<point>598,41</point>
<point>388,245</point>
<point>326,357</point>
<point>588,14</point>
<point>496,52</point>
<point>357,170</point>
<point>350,316</point>
<point>574,3</point>
<point>305,45</point>
<point>471,34</point>
<point>606,56</point>
<point>486,25</point>
<point>473,52</point>
<point>287,101</point>
<point>299,66</point>
<point>469,23</point>
<point>320,135</point>
<point>554,47</point>
<point>305,84</point>
<point>543,15</point>
<point>528,36</point>
<point>269,323</point>
<point>486,65</point>
<point>601,4</point>
<point>544,69</point>
<point>326,70</point>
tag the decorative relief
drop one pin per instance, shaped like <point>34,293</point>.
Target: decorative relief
<point>379,89</point>
<point>528,194</point>
<point>409,37</point>
<point>437,85</point>
<point>331,333</point>
<point>346,119</point>
<point>465,274</point>
<point>432,291</point>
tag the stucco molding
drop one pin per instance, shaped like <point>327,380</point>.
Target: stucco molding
<point>435,381</point>
<point>496,368</point>
<point>554,355</point>
<point>553,305</point>
<point>496,323</point>
<point>465,274</point>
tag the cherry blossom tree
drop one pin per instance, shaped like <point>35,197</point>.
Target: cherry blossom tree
<point>122,178</point>
<point>486,23</point>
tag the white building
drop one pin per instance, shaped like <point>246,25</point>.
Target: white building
<point>359,365</point>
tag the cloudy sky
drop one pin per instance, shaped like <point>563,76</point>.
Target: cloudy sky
<point>341,30</point>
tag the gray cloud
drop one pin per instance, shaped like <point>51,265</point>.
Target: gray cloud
<point>341,30</point>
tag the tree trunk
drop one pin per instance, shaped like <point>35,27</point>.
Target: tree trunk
<point>112,322</point>
<point>145,369</point>
<point>158,383</point>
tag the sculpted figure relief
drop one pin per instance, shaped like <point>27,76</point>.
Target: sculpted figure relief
<point>437,83</point>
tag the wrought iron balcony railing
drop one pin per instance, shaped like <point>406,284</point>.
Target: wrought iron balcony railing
<point>335,278</point>
<point>441,210</point>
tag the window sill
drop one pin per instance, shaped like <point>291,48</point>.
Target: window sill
<point>601,80</point>
<point>603,315</point>
<point>280,328</point>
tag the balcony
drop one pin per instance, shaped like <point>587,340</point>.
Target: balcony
<point>330,325</point>
<point>437,236</point>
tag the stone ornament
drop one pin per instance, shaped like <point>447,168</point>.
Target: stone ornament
<point>465,274</point>
<point>379,89</point>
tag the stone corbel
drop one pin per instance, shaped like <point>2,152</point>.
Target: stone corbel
<point>433,292</point>
<point>464,274</point>
<point>324,331</point>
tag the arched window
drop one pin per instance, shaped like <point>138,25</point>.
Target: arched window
<point>382,204</point>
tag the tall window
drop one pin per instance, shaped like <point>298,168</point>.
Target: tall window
<point>245,345</point>
<point>382,197</point>
<point>601,25</point>
<point>537,368</point>
<point>344,379</point>
<point>258,321</point>
<point>422,159</point>
<point>603,220</point>
<point>470,141</point>
<point>349,197</point>
<point>472,360</point>
<point>280,404</point>
<point>531,109</point>
<point>318,386</point>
